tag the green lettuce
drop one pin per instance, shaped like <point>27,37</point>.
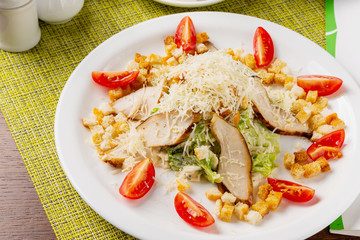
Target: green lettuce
<point>263,144</point>
<point>183,153</point>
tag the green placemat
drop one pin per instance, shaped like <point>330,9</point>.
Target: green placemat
<point>31,83</point>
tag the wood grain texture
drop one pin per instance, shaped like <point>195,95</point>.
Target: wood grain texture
<point>21,213</point>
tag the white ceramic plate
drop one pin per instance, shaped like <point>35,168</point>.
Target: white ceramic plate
<point>189,3</point>
<point>154,216</point>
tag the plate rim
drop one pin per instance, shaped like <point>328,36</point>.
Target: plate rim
<point>93,52</point>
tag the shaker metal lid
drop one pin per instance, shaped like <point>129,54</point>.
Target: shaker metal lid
<point>9,4</point>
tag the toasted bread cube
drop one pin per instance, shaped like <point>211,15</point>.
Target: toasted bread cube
<point>338,123</point>
<point>316,121</point>
<point>218,207</point>
<point>264,191</point>
<point>267,78</point>
<point>311,96</point>
<point>200,48</point>
<point>280,78</point>
<point>276,66</point>
<point>120,127</point>
<point>169,40</point>
<point>98,114</point>
<point>289,80</point>
<point>297,171</point>
<point>154,59</point>
<point>253,217</point>
<point>303,116</point>
<point>237,54</point>
<point>90,122</point>
<point>330,117</point>
<point>228,198</point>
<point>241,209</point>
<point>97,138</point>
<point>172,61</point>
<point>170,48</point>
<point>108,121</point>
<point>312,169</point>
<point>213,194</point>
<point>226,212</point>
<point>301,156</point>
<point>119,92</point>
<point>262,207</point>
<point>298,92</point>
<point>289,160</point>
<point>273,200</point>
<point>202,37</point>
<point>324,164</point>
<point>249,60</point>
<point>298,105</point>
<point>319,105</point>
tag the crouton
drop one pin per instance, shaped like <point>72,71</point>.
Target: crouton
<point>311,96</point>
<point>316,121</point>
<point>267,78</point>
<point>228,198</point>
<point>108,121</point>
<point>289,160</point>
<point>338,123</point>
<point>213,194</point>
<point>319,105</point>
<point>89,122</point>
<point>312,169</point>
<point>324,164</point>
<point>262,207</point>
<point>169,40</point>
<point>250,61</point>
<point>303,116</point>
<point>301,157</point>
<point>280,78</point>
<point>298,91</point>
<point>200,48</point>
<point>120,127</point>
<point>273,200</point>
<point>325,129</point>
<point>98,114</point>
<point>298,105</point>
<point>264,191</point>
<point>330,117</point>
<point>226,212</point>
<point>253,217</point>
<point>202,37</point>
<point>218,207</point>
<point>276,66</point>
<point>241,210</point>
<point>297,171</point>
<point>119,92</point>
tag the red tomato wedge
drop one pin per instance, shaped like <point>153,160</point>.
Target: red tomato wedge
<point>325,85</point>
<point>185,35</point>
<point>263,47</point>
<point>328,146</point>
<point>292,191</point>
<point>139,180</point>
<point>191,211</point>
<point>114,79</point>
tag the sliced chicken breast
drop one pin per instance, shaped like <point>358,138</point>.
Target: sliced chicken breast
<point>166,129</point>
<point>275,118</point>
<point>139,104</point>
<point>235,160</point>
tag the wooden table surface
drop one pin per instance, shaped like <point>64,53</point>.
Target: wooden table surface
<point>21,213</point>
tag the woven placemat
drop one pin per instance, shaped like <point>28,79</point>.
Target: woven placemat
<point>31,83</point>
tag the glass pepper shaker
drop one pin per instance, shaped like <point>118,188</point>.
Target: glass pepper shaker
<point>19,25</point>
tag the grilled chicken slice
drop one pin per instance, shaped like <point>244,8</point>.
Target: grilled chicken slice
<point>275,118</point>
<point>166,129</point>
<point>235,160</point>
<point>139,104</point>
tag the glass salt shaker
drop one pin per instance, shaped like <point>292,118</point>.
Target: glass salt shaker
<point>19,25</point>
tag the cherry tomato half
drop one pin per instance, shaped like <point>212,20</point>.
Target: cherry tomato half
<point>292,191</point>
<point>139,180</point>
<point>191,211</point>
<point>328,146</point>
<point>114,79</point>
<point>325,85</point>
<point>263,47</point>
<point>185,35</point>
